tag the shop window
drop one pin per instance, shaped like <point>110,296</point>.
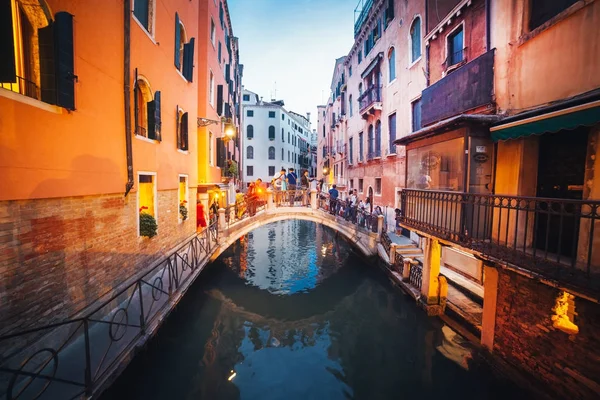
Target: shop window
<point>147,114</point>
<point>542,11</point>
<point>182,130</point>
<point>271,153</point>
<point>250,132</point>
<point>437,167</point>
<point>143,10</point>
<point>147,204</point>
<point>271,132</point>
<point>183,198</point>
<point>37,53</point>
<point>250,153</point>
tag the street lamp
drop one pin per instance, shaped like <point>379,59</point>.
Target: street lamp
<point>325,170</point>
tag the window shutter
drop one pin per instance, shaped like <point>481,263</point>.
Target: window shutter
<point>227,75</point>
<point>177,40</point>
<point>154,120</point>
<point>151,106</point>
<point>184,132</point>
<point>188,60</point>
<point>47,64</point>
<point>220,100</point>
<point>227,110</point>
<point>8,70</point>
<point>63,45</point>
<point>220,153</point>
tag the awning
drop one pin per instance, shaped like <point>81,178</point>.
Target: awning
<point>372,65</point>
<point>568,118</point>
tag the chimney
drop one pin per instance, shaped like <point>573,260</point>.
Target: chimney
<point>308,116</point>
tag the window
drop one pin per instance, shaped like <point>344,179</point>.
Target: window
<point>182,130</point>
<point>146,198</point>
<point>323,130</point>
<point>249,170</point>
<point>360,87</point>
<point>378,138</point>
<point>211,160</point>
<point>389,13</point>
<point>183,198</point>
<point>211,89</point>
<point>288,137</point>
<point>351,183</point>
<point>378,186</point>
<point>350,151</point>
<point>392,63</point>
<point>288,156</point>
<point>438,166</point>
<point>360,147</point>
<point>392,129</point>
<point>370,144</point>
<point>219,51</point>
<point>542,11</point>
<point>221,15</point>
<point>250,113</point>
<point>250,132</point>
<point>147,117</point>
<point>350,105</point>
<point>271,153</point>
<point>212,32</point>
<point>271,170</point>
<point>415,40</point>
<point>350,71</point>
<point>359,56</point>
<point>360,186</point>
<point>271,114</point>
<point>283,117</point>
<point>271,132</point>
<point>184,52</point>
<point>282,154</point>
<point>246,97</point>
<point>455,47</point>
<point>250,153</point>
<point>416,115</point>
<point>42,66</point>
<point>143,11</point>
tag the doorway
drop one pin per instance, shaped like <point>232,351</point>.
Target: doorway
<point>561,174</point>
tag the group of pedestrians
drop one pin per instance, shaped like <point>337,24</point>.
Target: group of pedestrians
<point>353,209</point>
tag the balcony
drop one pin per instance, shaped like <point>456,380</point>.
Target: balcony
<point>370,101</point>
<point>552,237</point>
<point>464,88</point>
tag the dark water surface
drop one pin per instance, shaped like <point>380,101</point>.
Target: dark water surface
<point>292,312</point>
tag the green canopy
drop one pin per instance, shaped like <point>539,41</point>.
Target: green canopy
<point>585,115</point>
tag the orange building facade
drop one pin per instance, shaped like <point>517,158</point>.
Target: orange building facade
<point>99,111</point>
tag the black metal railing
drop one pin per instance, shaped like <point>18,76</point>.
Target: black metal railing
<point>415,276</point>
<point>22,86</point>
<point>554,237</point>
<point>386,242</point>
<point>70,359</point>
<point>370,96</point>
<point>455,57</point>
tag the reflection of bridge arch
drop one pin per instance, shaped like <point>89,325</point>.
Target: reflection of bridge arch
<point>296,306</point>
<point>365,242</point>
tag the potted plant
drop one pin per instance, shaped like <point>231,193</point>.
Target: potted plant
<point>148,225</point>
<point>183,211</point>
<point>232,169</point>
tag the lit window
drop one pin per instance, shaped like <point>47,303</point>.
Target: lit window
<point>564,313</point>
<point>147,205</point>
<point>183,198</point>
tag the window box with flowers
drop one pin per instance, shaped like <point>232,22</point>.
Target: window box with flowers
<point>183,210</point>
<point>148,225</point>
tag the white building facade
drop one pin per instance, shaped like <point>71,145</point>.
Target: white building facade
<point>273,138</point>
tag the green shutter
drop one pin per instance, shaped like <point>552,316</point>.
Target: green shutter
<point>8,70</point>
<point>47,64</point>
<point>188,60</point>
<point>63,46</point>
<point>154,118</point>
<point>177,40</point>
<point>184,132</point>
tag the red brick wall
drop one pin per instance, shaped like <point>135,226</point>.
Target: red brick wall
<point>525,336</point>
<point>58,256</point>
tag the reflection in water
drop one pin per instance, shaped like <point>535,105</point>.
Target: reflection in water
<point>291,312</point>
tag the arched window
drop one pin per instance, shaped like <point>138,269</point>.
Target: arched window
<point>250,132</point>
<point>392,63</point>
<point>370,143</point>
<point>415,39</point>
<point>378,139</point>
<point>271,153</point>
<point>271,132</point>
<point>181,36</point>
<point>142,96</point>
<point>250,153</point>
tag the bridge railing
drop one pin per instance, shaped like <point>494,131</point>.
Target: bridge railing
<point>291,198</point>
<point>362,217</point>
<point>243,209</point>
<point>69,359</point>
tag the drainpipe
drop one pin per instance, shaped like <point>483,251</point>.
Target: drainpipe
<point>487,25</point>
<point>126,90</point>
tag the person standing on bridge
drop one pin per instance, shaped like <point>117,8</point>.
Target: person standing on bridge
<point>333,198</point>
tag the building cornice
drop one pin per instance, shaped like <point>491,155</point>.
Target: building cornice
<point>447,20</point>
<point>375,9</point>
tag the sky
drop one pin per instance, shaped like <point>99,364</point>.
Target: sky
<point>292,45</point>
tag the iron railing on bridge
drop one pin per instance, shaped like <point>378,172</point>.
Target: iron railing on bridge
<point>554,237</point>
<point>70,359</point>
<point>362,217</point>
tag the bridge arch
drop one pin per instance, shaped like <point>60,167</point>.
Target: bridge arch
<point>365,242</point>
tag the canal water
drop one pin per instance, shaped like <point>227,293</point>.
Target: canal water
<point>291,311</point>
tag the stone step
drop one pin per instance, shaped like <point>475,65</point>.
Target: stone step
<point>414,250</point>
